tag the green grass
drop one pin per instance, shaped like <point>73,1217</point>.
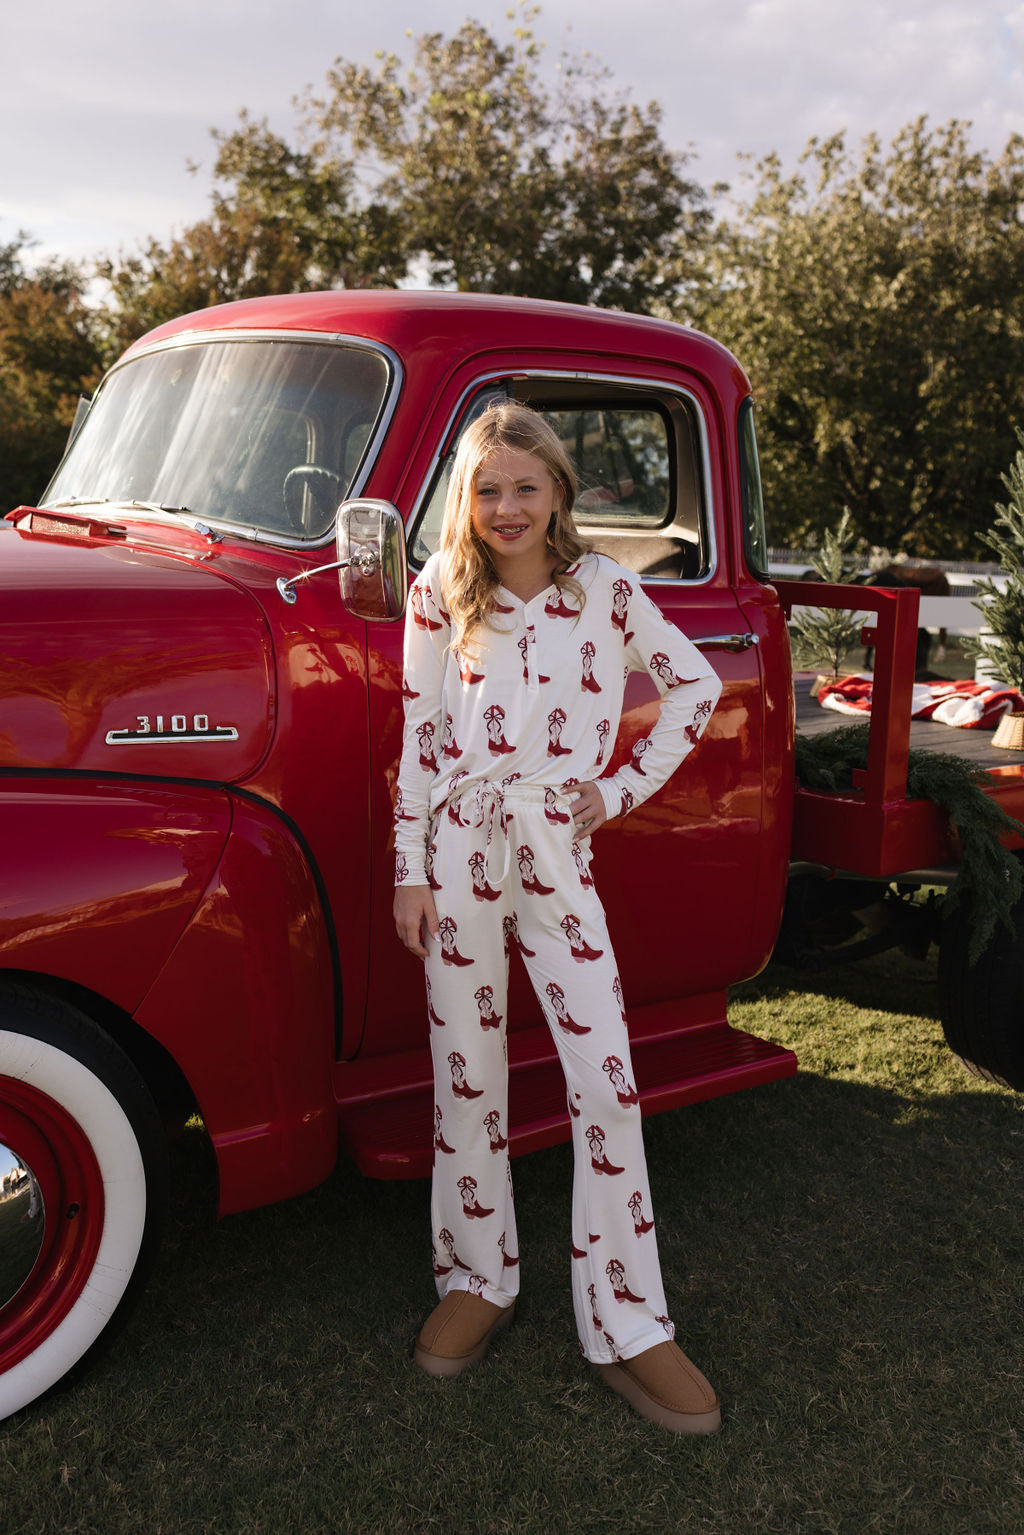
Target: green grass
<point>843,1254</point>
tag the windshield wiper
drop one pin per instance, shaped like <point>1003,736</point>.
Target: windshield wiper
<point>157,506</point>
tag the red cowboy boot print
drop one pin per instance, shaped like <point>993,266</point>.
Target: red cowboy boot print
<point>400,814</point>
<point>626,802</point>
<point>485,1004</point>
<point>438,1022</point>
<point>528,874</point>
<point>598,1161</point>
<point>478,869</point>
<point>616,1356</point>
<point>581,867</point>
<point>592,1292</point>
<point>621,594</point>
<point>449,1242</point>
<point>576,1252</point>
<point>662,668</point>
<point>556,997</point>
<point>670,1327</point>
<point>476,1284</point>
<point>588,682</point>
<point>408,693</point>
<point>466,673</point>
<point>527,645</point>
<point>506,1261</point>
<point>449,746</point>
<point>620,1289</point>
<point>440,1144</point>
<point>635,1205</point>
<point>439,1268</point>
<point>428,866</point>
<point>701,715</point>
<point>401,869</point>
<point>617,993</point>
<point>492,1124</point>
<point>510,932</point>
<point>449,930</point>
<point>616,1076</point>
<point>418,600</point>
<point>551,811</point>
<point>603,727</point>
<point>460,1087</point>
<point>425,736</point>
<point>494,718</point>
<point>555,607</point>
<point>467,1187</point>
<point>574,1112</point>
<point>639,748</point>
<point>578,947</point>
<point>556,719</point>
<point>454,813</point>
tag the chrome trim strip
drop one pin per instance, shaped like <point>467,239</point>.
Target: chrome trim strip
<point>168,737</point>
<point>396,377</point>
<point>630,382</point>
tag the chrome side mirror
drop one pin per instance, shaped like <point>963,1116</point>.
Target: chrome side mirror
<point>371,564</point>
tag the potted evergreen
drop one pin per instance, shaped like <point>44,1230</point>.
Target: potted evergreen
<point>1001,645</point>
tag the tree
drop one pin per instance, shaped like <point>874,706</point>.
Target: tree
<point>822,638</point>
<point>282,220</point>
<point>464,167</point>
<point>878,307</point>
<point>1002,611</point>
<point>49,356</point>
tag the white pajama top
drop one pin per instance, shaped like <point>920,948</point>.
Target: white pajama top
<point>539,700</point>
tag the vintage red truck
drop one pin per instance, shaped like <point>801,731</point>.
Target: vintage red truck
<point>200,720</point>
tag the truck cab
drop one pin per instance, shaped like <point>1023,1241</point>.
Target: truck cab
<point>200,726</point>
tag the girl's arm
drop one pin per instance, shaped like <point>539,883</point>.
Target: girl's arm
<point>427,634</point>
<point>689,688</point>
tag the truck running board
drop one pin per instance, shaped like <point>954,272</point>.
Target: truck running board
<point>390,1134</point>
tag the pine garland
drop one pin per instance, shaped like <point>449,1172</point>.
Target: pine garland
<point>988,870</point>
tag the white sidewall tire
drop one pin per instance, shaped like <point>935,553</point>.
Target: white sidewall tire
<point>82,1095</point>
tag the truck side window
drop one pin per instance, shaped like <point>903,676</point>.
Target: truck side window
<point>638,458</point>
<point>755,537</point>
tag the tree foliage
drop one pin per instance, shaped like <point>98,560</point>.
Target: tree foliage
<point>822,638</point>
<point>878,305</point>
<point>1002,611</point>
<point>48,358</point>
<point>464,167</point>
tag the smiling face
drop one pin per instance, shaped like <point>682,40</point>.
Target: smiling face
<point>513,500</point>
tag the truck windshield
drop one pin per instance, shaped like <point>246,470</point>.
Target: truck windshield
<point>263,434</point>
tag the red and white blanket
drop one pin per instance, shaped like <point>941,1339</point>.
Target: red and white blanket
<point>969,705</point>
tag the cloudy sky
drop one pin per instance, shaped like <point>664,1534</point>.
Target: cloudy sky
<point>104,103</point>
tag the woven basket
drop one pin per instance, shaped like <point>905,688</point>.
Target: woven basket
<point>1009,733</point>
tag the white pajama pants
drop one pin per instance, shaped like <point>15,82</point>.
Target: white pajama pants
<point>507,873</point>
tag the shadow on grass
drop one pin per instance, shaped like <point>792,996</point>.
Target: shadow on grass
<point>843,1258</point>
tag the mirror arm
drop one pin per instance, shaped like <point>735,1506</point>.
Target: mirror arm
<point>367,564</point>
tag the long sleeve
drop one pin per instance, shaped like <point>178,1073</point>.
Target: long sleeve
<point>427,635</point>
<point>689,689</point>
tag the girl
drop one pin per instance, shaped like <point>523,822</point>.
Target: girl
<point>517,642</point>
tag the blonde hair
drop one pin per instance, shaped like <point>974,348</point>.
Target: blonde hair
<point>469,578</point>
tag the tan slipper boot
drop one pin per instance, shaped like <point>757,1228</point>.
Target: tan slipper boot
<point>458,1331</point>
<point>661,1384</point>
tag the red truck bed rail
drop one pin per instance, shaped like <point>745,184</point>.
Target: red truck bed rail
<point>873,829</point>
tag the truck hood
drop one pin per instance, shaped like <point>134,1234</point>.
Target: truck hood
<point>120,659</point>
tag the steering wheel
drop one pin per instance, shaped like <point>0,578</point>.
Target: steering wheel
<point>324,487</point>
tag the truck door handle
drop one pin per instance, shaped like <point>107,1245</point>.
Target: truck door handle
<point>726,642</point>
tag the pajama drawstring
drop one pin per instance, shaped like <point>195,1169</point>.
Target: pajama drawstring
<point>488,808</point>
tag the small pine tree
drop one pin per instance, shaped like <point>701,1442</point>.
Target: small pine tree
<point>1002,610</point>
<point>822,638</point>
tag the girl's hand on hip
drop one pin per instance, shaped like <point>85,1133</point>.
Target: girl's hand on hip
<point>588,812</point>
<point>416,917</point>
